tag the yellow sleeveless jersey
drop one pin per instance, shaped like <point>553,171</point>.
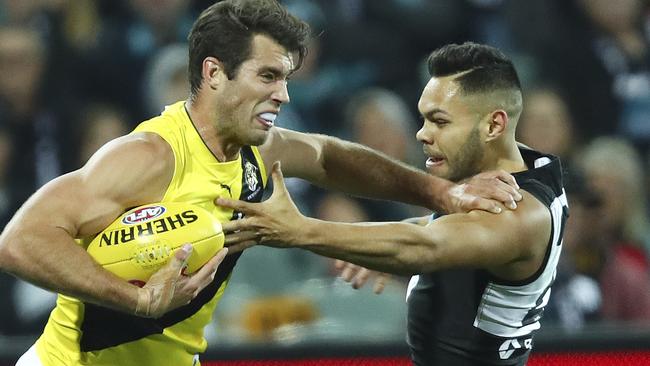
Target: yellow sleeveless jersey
<point>86,334</point>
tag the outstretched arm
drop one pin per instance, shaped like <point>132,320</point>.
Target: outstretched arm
<point>355,169</point>
<point>358,276</point>
<point>476,239</point>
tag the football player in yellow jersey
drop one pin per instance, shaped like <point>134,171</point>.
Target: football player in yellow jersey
<point>241,54</point>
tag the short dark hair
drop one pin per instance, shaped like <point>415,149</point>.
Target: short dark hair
<point>225,30</point>
<point>488,68</point>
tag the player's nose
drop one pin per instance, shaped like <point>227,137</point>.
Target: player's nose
<point>281,93</point>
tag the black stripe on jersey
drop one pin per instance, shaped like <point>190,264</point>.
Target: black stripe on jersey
<point>103,328</point>
<point>535,313</point>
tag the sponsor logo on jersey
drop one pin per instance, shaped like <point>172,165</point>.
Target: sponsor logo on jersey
<point>125,235</point>
<point>143,214</point>
<point>509,346</point>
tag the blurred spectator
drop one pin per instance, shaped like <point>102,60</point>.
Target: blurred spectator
<point>613,170</point>
<point>36,120</point>
<point>82,23</point>
<point>36,14</point>
<point>165,80</point>
<point>346,312</point>
<point>24,308</point>
<point>47,18</point>
<point>624,50</point>
<point>8,203</point>
<point>402,33</point>
<point>100,124</point>
<point>340,208</point>
<point>380,119</point>
<point>576,297</point>
<point>604,66</point>
<point>546,124</point>
<point>265,317</point>
<point>491,25</point>
<point>34,148</point>
<point>136,37</point>
<point>341,60</point>
<point>264,274</point>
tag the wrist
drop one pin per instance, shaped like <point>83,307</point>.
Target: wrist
<point>118,294</point>
<point>439,194</point>
<point>308,233</point>
<point>143,302</point>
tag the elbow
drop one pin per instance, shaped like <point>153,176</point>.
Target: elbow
<point>329,148</point>
<point>336,153</point>
<point>8,255</point>
<point>12,253</point>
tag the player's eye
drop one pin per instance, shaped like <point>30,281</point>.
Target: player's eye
<point>267,76</point>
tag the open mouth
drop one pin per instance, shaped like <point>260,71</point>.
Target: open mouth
<point>434,161</point>
<point>267,119</point>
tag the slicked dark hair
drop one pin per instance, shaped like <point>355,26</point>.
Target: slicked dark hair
<point>225,30</point>
<point>488,69</point>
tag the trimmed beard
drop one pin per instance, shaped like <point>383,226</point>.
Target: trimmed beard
<point>468,159</point>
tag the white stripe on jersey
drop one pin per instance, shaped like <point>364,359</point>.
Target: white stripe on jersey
<point>514,311</point>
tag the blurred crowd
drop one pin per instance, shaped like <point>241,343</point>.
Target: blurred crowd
<point>75,74</point>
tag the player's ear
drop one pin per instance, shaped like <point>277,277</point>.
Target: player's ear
<point>497,124</point>
<point>212,71</point>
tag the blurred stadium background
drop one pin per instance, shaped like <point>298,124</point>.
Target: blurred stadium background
<point>77,73</point>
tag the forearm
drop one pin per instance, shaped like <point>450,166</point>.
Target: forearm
<point>399,248</point>
<point>358,170</point>
<point>50,258</point>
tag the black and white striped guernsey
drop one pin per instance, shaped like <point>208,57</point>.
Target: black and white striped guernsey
<point>469,317</point>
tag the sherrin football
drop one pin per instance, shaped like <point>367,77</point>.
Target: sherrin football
<point>143,239</point>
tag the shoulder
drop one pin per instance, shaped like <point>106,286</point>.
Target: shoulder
<point>530,211</point>
<point>530,221</point>
<point>526,230</point>
<point>131,163</point>
<point>532,215</point>
<point>138,149</point>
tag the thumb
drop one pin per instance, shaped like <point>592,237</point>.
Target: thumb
<point>278,177</point>
<point>179,261</point>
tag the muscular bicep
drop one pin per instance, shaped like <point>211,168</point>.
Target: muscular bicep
<point>482,240</point>
<point>127,172</point>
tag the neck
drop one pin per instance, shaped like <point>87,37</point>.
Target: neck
<point>505,157</point>
<point>217,139</point>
